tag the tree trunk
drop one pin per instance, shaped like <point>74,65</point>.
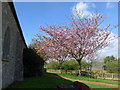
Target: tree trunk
<point>60,67</point>
<point>60,70</point>
<point>66,71</point>
<point>80,68</point>
<point>91,66</point>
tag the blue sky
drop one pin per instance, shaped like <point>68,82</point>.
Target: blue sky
<point>33,14</point>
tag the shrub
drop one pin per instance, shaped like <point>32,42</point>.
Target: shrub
<point>70,65</point>
<point>85,65</point>
<point>33,63</point>
<point>112,67</point>
<point>87,74</point>
<point>53,65</point>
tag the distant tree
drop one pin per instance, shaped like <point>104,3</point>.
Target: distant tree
<point>111,64</point>
<point>35,45</point>
<point>52,50</point>
<point>53,65</point>
<point>92,59</point>
<point>112,67</point>
<point>109,59</point>
<point>70,65</point>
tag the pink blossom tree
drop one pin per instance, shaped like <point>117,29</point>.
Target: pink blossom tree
<point>51,49</point>
<point>79,38</point>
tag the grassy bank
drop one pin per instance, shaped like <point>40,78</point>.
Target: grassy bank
<point>87,78</point>
<point>50,82</point>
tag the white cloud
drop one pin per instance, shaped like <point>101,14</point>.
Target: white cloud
<point>109,5</point>
<point>82,9</point>
<point>110,50</point>
<point>119,47</point>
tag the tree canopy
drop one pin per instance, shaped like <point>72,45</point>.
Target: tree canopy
<point>77,39</point>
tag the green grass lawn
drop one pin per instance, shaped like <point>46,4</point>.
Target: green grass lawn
<point>50,82</point>
<point>87,78</point>
<point>41,82</point>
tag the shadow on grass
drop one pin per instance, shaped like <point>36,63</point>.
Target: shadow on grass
<point>92,86</point>
<point>44,82</point>
<point>53,75</point>
<point>48,81</point>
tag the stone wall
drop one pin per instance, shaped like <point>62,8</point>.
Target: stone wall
<point>12,47</point>
<point>0,46</point>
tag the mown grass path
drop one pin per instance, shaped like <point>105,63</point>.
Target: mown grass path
<point>90,82</point>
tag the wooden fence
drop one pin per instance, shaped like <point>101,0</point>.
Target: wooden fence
<point>109,76</point>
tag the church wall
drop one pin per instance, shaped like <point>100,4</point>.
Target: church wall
<point>12,50</point>
<point>0,46</point>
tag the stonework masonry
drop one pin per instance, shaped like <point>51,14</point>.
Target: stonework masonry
<point>0,46</point>
<point>12,44</point>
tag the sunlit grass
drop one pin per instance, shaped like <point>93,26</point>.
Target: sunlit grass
<point>87,78</point>
<point>51,82</point>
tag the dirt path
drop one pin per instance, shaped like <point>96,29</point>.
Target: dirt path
<point>99,83</point>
